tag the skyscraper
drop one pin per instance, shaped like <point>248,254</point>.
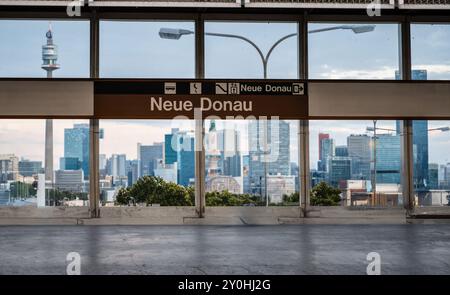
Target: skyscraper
<point>148,158</point>
<point>420,140</point>
<point>170,143</point>
<point>388,158</point>
<point>359,150</point>
<point>229,146</point>
<point>29,168</point>
<point>186,158</point>
<point>326,151</point>
<point>118,168</point>
<point>340,169</point>
<point>277,155</point>
<point>76,146</point>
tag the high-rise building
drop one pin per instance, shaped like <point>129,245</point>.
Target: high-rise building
<point>275,160</point>
<point>76,146</point>
<point>9,168</point>
<point>148,158</point>
<point>186,159</point>
<point>341,151</point>
<point>170,146</point>
<point>433,176</point>
<point>327,150</point>
<point>340,170</point>
<point>168,172</point>
<point>69,163</point>
<point>359,149</point>
<point>30,168</point>
<point>322,136</point>
<point>132,171</point>
<point>229,146</point>
<point>213,157</point>
<point>388,160</point>
<point>420,141</point>
<point>69,180</point>
<point>118,168</point>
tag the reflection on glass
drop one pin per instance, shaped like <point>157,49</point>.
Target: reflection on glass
<point>346,157</point>
<point>22,168</point>
<point>430,51</point>
<point>353,51</point>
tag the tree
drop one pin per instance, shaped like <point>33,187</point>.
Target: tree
<point>325,195</point>
<point>155,190</point>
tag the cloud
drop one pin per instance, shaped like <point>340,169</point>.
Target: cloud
<point>339,73</point>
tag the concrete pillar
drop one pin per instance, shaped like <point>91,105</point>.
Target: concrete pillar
<point>407,164</point>
<point>94,175</point>
<point>49,150</point>
<point>200,200</point>
<point>304,173</point>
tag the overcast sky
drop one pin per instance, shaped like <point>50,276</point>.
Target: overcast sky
<point>132,49</point>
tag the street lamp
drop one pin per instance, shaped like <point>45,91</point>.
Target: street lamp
<point>176,34</point>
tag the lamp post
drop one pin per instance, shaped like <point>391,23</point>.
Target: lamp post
<point>176,34</point>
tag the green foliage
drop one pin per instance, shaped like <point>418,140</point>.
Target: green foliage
<point>325,195</point>
<point>292,198</point>
<point>155,190</point>
<point>226,198</point>
<point>57,196</point>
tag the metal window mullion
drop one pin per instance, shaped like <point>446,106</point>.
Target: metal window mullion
<point>407,125</point>
<point>303,127</point>
<point>200,199</point>
<point>94,130</point>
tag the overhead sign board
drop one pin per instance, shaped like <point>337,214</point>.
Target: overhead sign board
<point>157,99</point>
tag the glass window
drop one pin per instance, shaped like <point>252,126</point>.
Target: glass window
<point>232,50</point>
<point>430,51</point>
<point>33,48</point>
<point>245,166</point>
<point>147,49</point>
<point>344,156</point>
<point>353,51</point>
<point>147,162</point>
<point>28,179</point>
<point>431,143</point>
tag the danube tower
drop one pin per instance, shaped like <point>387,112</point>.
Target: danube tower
<point>49,57</point>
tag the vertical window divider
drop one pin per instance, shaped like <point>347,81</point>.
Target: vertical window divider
<point>94,129</point>
<point>303,127</point>
<point>200,198</point>
<point>407,125</point>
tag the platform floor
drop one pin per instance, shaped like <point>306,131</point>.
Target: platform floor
<point>279,249</point>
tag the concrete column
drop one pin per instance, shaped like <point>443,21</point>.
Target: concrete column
<point>94,175</point>
<point>49,150</point>
<point>200,200</point>
<point>304,173</point>
<point>407,164</point>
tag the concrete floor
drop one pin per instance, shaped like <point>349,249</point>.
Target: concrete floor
<point>287,249</point>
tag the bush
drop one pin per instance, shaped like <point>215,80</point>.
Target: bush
<point>325,195</point>
<point>155,190</point>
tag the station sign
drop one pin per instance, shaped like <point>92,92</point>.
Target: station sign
<point>158,99</point>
